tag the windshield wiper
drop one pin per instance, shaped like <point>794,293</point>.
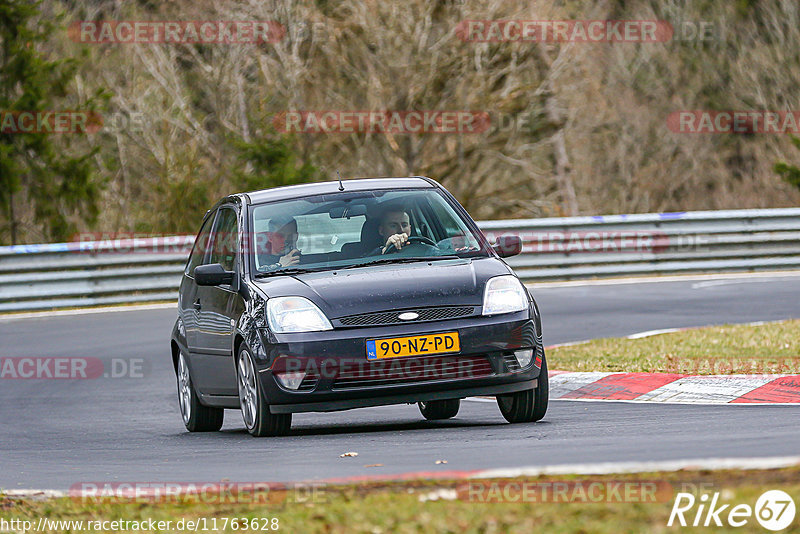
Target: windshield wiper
<point>290,270</point>
<point>300,270</point>
<point>400,260</point>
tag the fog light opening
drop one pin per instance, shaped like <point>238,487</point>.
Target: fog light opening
<point>524,357</point>
<point>291,380</point>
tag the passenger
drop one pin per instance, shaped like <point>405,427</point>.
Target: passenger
<point>282,244</point>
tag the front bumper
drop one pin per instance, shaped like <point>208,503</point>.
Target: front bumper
<point>339,376</point>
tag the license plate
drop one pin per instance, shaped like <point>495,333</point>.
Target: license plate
<point>397,347</point>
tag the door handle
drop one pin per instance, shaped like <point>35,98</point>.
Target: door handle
<point>197,304</point>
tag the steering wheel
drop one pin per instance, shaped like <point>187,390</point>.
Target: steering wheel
<point>411,240</point>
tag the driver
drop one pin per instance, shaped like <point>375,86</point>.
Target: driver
<point>395,228</point>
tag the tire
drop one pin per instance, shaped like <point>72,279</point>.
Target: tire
<point>196,417</point>
<point>439,409</point>
<point>255,411</point>
<point>529,405</point>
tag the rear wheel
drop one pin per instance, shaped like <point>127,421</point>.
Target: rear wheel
<point>255,411</point>
<point>529,405</point>
<point>196,417</point>
<point>440,409</point>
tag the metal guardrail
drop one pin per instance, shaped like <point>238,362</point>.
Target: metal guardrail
<point>59,275</point>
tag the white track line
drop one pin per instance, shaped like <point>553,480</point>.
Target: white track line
<point>84,311</point>
<point>648,333</point>
<point>33,493</point>
<point>715,283</point>
<point>671,278</point>
<point>643,467</point>
<point>568,344</point>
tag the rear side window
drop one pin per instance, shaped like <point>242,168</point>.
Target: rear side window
<point>200,246</point>
<point>226,239</point>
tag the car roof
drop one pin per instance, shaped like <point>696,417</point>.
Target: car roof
<point>319,188</point>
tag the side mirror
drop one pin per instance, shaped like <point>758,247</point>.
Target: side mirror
<point>212,275</point>
<point>508,245</point>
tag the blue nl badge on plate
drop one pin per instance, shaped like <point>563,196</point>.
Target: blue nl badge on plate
<point>371,350</point>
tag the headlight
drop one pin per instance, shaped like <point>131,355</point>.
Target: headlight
<point>504,294</point>
<point>295,314</point>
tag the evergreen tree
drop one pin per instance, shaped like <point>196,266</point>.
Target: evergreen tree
<point>269,162</point>
<point>790,173</point>
<point>41,174</point>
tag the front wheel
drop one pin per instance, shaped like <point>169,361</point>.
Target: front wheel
<point>529,405</point>
<point>439,409</point>
<point>196,417</point>
<point>255,411</point>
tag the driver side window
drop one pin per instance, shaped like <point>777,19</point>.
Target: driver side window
<point>200,245</point>
<point>225,243</point>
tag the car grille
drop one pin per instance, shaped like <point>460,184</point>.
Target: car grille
<point>391,317</point>
<point>511,363</point>
<point>309,382</point>
<point>412,370</point>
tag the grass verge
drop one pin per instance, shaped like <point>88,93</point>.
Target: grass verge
<point>729,349</point>
<point>442,506</point>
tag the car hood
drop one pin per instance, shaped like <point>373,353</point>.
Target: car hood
<point>391,286</point>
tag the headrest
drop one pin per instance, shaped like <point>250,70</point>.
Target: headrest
<point>370,238</point>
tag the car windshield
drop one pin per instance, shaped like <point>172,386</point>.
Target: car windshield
<point>351,229</point>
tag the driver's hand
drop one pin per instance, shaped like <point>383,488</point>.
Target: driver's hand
<point>292,258</point>
<point>398,240</point>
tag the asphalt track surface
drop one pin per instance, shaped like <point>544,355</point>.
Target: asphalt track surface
<point>57,433</point>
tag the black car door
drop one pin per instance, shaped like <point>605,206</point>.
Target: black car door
<point>218,308</point>
<point>187,296</point>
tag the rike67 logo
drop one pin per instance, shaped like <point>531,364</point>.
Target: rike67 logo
<point>774,510</point>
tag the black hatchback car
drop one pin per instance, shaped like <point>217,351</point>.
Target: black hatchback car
<point>339,295</point>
